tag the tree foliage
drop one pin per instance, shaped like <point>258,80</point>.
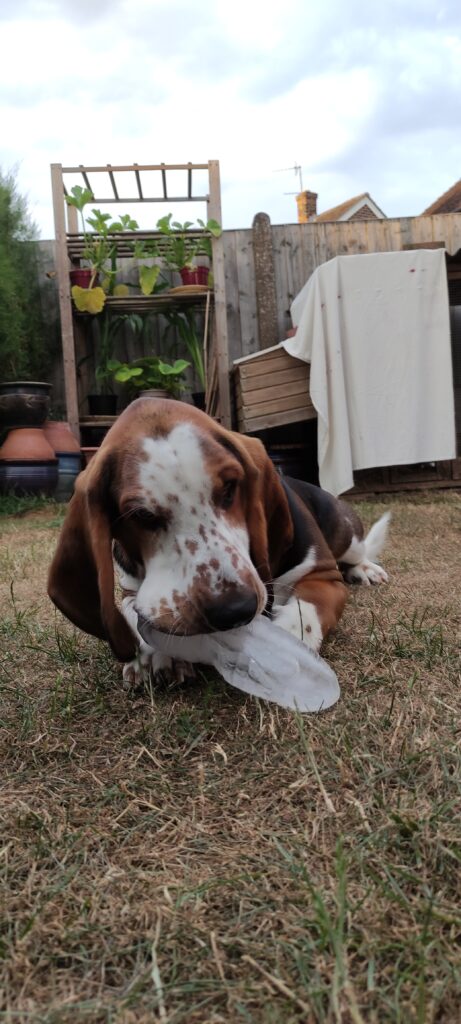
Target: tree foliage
<point>23,350</point>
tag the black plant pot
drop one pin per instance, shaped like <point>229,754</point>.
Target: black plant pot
<point>25,387</point>
<point>198,398</point>
<point>23,403</point>
<point>102,405</point>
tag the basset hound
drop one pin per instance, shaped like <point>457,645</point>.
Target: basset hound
<point>204,535</point>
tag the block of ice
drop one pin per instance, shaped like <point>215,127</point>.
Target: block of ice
<point>260,659</point>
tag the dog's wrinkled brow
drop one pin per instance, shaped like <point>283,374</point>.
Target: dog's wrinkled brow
<point>229,446</point>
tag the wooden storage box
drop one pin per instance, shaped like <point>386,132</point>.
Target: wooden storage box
<point>271,389</point>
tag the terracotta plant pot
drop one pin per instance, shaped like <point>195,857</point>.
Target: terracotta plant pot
<point>82,276</point>
<point>60,437</point>
<point>27,444</point>
<point>194,275</point>
<point>28,464</point>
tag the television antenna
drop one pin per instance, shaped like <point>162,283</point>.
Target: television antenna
<point>298,172</point>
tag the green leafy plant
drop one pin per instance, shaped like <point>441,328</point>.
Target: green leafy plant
<point>100,250</point>
<point>183,245</point>
<point>27,343</point>
<point>150,372</point>
<point>184,322</point>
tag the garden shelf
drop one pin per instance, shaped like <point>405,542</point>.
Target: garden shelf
<point>69,247</point>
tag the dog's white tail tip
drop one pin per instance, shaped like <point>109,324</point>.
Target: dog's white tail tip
<point>377,536</point>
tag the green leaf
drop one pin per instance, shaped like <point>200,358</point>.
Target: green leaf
<point>127,372</point>
<point>79,197</point>
<point>182,227</point>
<point>178,367</point>
<point>148,279</point>
<point>99,221</point>
<point>212,226</point>
<point>126,223</point>
<point>89,300</point>
<point>163,224</point>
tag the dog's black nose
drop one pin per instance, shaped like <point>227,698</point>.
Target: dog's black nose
<point>230,612</point>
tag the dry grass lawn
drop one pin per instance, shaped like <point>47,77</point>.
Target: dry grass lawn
<point>193,856</point>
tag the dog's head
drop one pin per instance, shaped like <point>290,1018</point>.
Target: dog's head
<point>194,515</point>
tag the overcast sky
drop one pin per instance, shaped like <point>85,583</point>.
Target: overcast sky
<point>365,96</point>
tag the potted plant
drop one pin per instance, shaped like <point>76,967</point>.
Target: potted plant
<point>151,375</point>
<point>184,247</point>
<point>184,322</point>
<point>104,402</point>
<point>99,252</point>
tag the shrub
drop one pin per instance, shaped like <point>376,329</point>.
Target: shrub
<point>23,343</point>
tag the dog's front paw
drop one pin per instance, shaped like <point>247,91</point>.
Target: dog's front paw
<point>366,573</point>
<point>157,668</point>
<point>299,618</point>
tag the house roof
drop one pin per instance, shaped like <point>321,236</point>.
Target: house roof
<point>449,202</point>
<point>342,211</point>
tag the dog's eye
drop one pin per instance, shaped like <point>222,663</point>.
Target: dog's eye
<point>228,492</point>
<point>148,520</point>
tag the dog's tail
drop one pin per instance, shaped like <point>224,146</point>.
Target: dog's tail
<point>376,537</point>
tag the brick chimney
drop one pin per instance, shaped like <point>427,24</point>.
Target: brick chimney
<point>307,206</point>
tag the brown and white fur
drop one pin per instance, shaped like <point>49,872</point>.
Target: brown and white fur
<point>204,535</point>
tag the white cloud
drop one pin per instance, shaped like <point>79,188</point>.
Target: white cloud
<point>366,98</point>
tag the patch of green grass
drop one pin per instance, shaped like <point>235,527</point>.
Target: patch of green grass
<point>11,505</point>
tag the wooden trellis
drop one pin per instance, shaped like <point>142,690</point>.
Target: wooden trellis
<point>69,246</point>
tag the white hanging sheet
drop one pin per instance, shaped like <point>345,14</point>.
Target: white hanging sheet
<point>376,331</point>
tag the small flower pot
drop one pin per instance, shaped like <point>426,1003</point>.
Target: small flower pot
<point>195,275</point>
<point>82,277</point>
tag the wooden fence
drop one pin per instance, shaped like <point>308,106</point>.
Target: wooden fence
<point>297,250</point>
<point>267,265</point>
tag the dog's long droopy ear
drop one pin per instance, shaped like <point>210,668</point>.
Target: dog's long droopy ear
<point>269,520</point>
<point>81,578</point>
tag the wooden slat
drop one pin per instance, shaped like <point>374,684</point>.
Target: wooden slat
<point>234,331</point>
<point>138,182</point>
<point>272,396</point>
<point>124,242</point>
<point>65,308</point>
<point>220,319</point>
<point>131,167</point>
<point>97,421</point>
<point>277,404</point>
<point>269,364</point>
<point>254,383</point>
<point>112,181</point>
<point>247,291</point>
<point>252,425</point>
